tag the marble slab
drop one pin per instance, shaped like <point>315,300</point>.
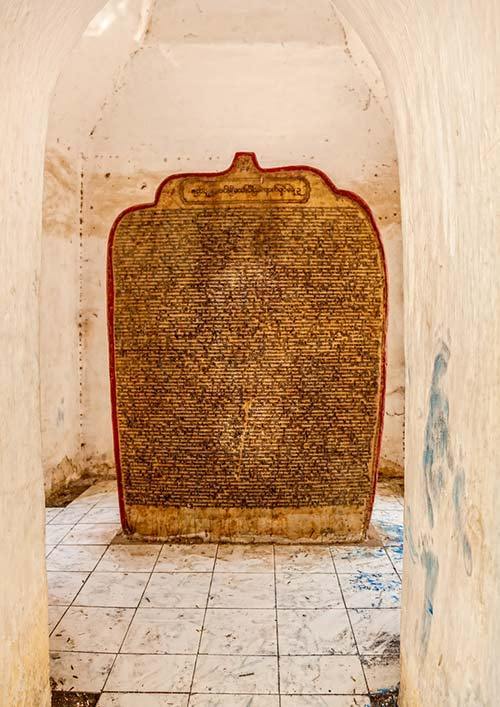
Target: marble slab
<point>303,558</point>
<point>151,673</point>
<point>315,632</point>
<point>89,629</point>
<point>321,675</point>
<point>308,591</point>
<point>113,589</point>
<point>165,631</point>
<point>376,630</point>
<point>186,558</point>
<point>242,590</point>
<point>129,558</point>
<point>239,632</point>
<point>236,674</point>
<point>80,672</point>
<point>188,590</point>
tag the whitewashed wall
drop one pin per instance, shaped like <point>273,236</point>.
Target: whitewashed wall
<point>35,36</point>
<point>439,62</point>
<point>182,87</point>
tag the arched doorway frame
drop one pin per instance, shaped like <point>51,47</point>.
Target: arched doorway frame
<point>438,65</point>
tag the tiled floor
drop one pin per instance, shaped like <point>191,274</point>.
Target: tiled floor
<point>150,625</point>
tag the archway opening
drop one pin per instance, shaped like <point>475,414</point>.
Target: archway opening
<point>295,87</point>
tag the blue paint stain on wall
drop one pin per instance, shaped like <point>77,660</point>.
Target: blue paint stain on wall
<point>436,439</point>
<point>457,496</point>
<point>409,536</point>
<point>439,470</point>
<point>431,566</point>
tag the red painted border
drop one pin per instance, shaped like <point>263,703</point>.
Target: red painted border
<point>110,308</point>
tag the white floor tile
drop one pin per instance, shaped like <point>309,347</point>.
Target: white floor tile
<point>186,558</point>
<point>64,586</point>
<point>72,514</point>
<point>165,631</point>
<point>55,613</point>
<point>102,514</point>
<point>376,630</point>
<point>52,513</point>
<point>371,591</point>
<point>245,558</point>
<point>74,558</point>
<point>98,491</point>
<point>129,558</point>
<point>237,664</point>
<point>352,558</point>
<point>391,531</point>
<point>234,701</point>
<point>315,632</point>
<point>88,629</point>
<point>188,590</point>
<point>88,497</point>
<point>382,672</point>
<point>108,500</point>
<point>395,553</point>
<point>303,558</point>
<point>236,674</point>
<point>325,701</point>
<point>239,632</point>
<point>91,534</point>
<point>80,672</point>
<point>54,533</point>
<point>141,699</point>
<point>308,591</point>
<point>242,590</point>
<point>321,675</point>
<point>113,589</point>
<point>151,673</point>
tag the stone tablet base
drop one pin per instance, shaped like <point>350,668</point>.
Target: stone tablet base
<point>325,524</point>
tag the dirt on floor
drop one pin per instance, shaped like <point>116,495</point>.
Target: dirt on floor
<point>387,698</point>
<point>88,699</point>
<point>65,494</point>
<point>74,699</point>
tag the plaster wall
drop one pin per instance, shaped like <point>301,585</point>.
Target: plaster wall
<point>184,86</point>
<point>34,38</point>
<point>439,63</point>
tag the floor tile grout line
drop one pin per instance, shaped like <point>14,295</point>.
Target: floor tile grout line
<point>71,603</point>
<point>277,625</point>
<point>87,579</point>
<point>53,517</point>
<point>350,623</point>
<point>70,527</point>
<point>195,663</point>
<point>132,617</point>
<point>229,608</point>
<point>392,563</point>
<point>235,655</point>
<point>237,694</point>
<point>213,574</point>
<point>230,655</point>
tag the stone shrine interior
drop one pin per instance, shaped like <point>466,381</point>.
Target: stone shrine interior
<point>246,379</point>
<point>292,472</point>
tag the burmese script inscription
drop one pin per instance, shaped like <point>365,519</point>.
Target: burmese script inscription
<point>247,316</point>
